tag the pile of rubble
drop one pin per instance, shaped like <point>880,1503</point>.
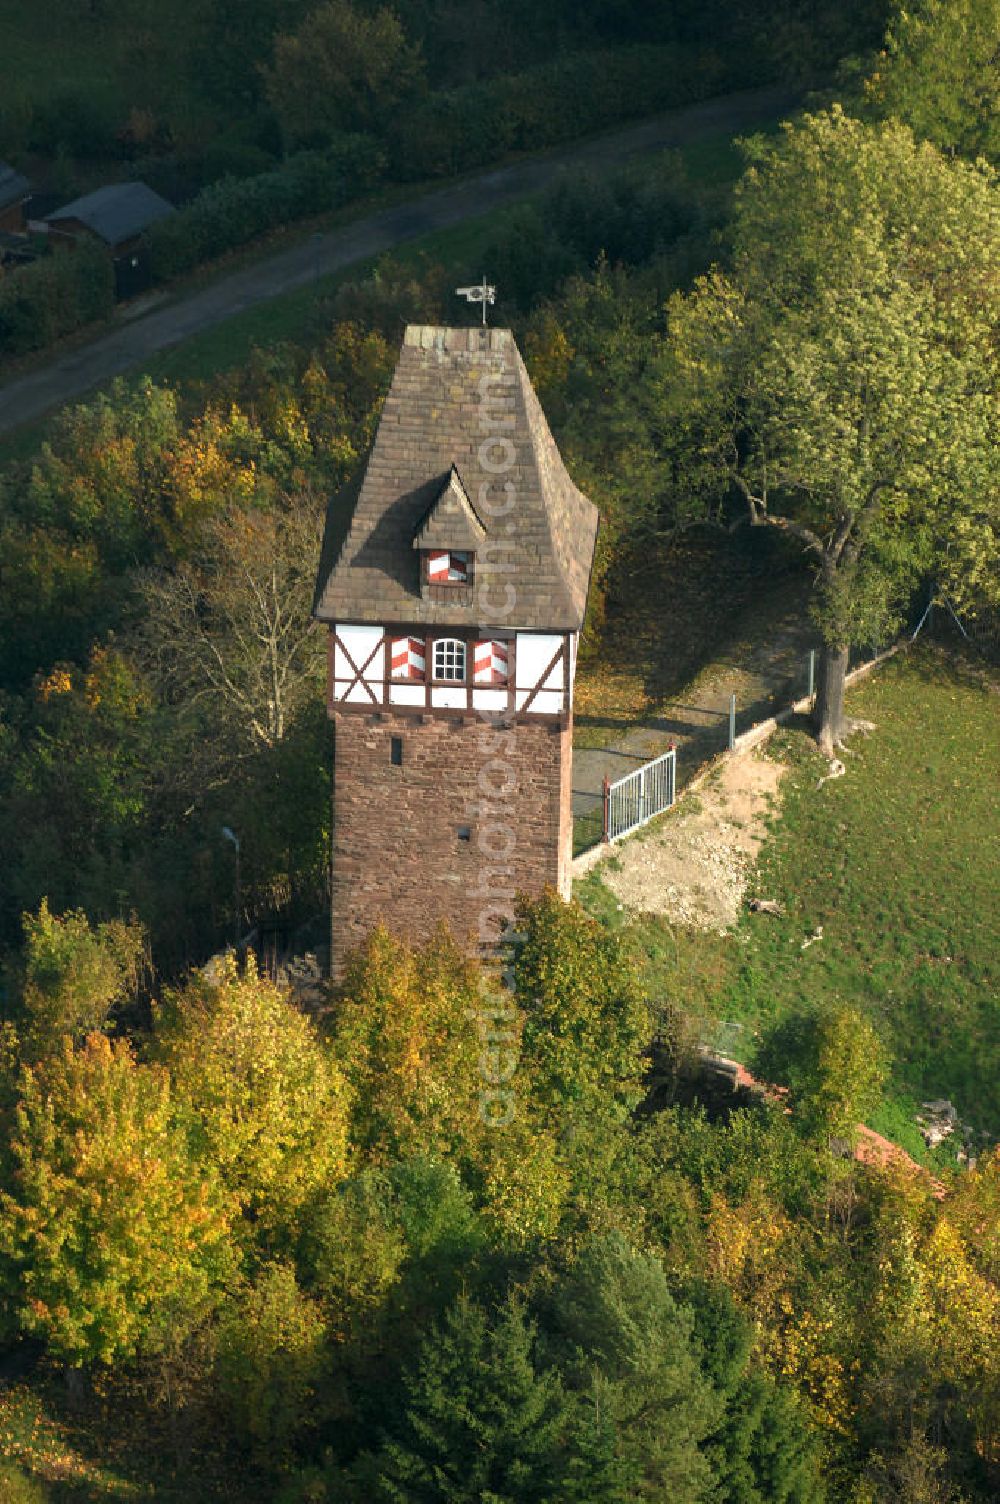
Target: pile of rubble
<point>694,864</point>
<point>306,976</point>
<point>938,1120</point>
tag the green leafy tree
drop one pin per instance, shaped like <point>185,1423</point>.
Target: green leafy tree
<point>90,508</point>
<point>343,70</point>
<point>70,975</point>
<point>939,72</point>
<point>916,1474</point>
<point>271,1356</point>
<point>112,1236</point>
<point>75,790</point>
<point>586,1019</point>
<point>480,1420</point>
<point>838,383</point>
<point>17,1488</point>
<point>267,1103</point>
<point>833,1063</point>
<point>405,1035</point>
<point>351,1250</point>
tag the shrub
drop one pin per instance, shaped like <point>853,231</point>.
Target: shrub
<point>70,976</point>
<point>77,120</point>
<point>17,1488</point>
<point>583,217</point>
<point>51,297</point>
<point>272,1353</point>
<point>457,130</point>
<point>233,211</point>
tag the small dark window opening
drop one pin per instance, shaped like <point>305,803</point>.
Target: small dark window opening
<point>465,832</point>
<point>396,751</point>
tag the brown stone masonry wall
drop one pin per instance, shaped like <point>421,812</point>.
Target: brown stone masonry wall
<point>566,814</point>
<point>398,854</point>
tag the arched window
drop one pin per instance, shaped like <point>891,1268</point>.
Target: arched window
<point>449,660</point>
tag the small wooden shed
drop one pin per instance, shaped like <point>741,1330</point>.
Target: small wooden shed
<point>117,216</point>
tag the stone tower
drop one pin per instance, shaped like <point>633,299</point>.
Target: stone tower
<point>453,578</point>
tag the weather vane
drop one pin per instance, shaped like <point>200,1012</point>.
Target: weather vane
<point>483,293</point>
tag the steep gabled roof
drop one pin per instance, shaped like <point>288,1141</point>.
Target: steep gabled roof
<point>13,186</point>
<point>451,522</point>
<point>461,416</point>
<point>117,212</point>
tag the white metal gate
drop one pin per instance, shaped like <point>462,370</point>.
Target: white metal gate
<point>636,798</point>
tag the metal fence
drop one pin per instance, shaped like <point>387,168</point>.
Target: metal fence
<point>630,801</point>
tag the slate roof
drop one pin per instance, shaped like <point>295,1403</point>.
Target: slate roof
<point>13,186</point>
<point>117,212</point>
<point>460,399</point>
<point>452,522</point>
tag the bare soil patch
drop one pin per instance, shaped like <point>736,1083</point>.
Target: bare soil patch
<point>693,865</point>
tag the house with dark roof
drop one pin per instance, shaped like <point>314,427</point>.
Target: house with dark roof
<point>15,191</point>
<point>453,581</point>
<point>117,217</point>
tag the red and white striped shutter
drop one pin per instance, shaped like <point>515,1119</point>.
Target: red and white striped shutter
<point>490,663</point>
<point>438,566</point>
<point>458,567</point>
<point>409,658</point>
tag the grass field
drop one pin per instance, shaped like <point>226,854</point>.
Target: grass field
<point>111,56</point>
<point>897,862</point>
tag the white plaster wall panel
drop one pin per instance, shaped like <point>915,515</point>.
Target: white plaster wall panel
<point>359,642</point>
<point>489,699</point>
<point>534,652</point>
<point>406,694</point>
<point>546,702</point>
<point>449,698</point>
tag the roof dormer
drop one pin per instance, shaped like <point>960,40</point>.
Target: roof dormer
<point>447,538</point>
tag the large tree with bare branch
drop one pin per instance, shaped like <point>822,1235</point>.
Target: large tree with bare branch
<point>231,626</point>
<point>839,381</point>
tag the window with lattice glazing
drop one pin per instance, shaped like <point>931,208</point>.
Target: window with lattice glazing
<point>449,660</point>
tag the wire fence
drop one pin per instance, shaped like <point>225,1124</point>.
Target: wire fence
<point>976,629</point>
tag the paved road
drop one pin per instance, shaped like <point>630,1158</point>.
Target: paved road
<point>71,375</point>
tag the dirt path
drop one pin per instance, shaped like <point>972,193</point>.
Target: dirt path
<point>694,864</point>
<point>71,375</point>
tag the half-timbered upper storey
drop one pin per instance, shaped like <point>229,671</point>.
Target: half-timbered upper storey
<point>455,566</point>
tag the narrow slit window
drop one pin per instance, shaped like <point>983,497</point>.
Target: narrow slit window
<point>396,751</point>
<point>449,660</point>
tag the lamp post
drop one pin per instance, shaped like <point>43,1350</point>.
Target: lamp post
<point>230,835</point>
